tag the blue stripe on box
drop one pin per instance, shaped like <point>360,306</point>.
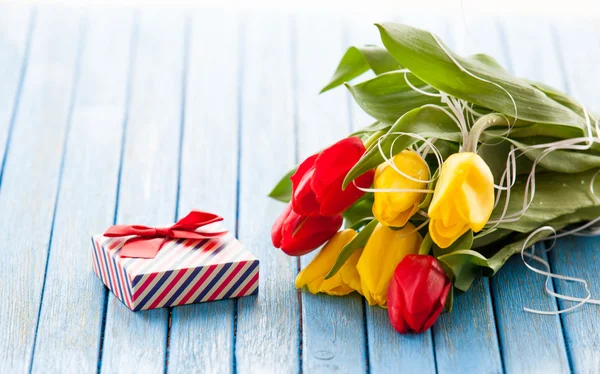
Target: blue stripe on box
<point>118,274</point>
<point>101,248</point>
<point>213,282</point>
<point>154,289</point>
<point>97,261</point>
<point>126,275</point>
<point>241,280</point>
<point>183,286</point>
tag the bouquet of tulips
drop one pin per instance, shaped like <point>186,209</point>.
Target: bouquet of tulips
<point>465,166</point>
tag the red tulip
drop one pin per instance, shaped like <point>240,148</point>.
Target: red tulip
<point>298,235</point>
<point>317,184</point>
<point>417,293</point>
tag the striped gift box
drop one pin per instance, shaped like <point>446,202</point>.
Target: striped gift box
<point>183,272</point>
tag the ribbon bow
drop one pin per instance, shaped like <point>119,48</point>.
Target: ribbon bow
<point>147,241</point>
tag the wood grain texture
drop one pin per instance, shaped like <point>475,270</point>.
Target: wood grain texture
<point>71,313</point>
<point>149,182</point>
<point>16,24</point>
<point>333,336</point>
<point>389,351</point>
<point>202,334</point>
<point>268,325</point>
<point>31,179</point>
<point>578,41</point>
<point>529,342</point>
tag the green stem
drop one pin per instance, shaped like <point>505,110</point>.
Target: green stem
<point>482,124</point>
<point>426,245</point>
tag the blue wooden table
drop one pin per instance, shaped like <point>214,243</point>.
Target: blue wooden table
<point>138,116</point>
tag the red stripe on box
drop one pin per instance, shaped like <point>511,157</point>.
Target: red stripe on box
<point>114,277</point>
<point>199,283</point>
<point>140,290</point>
<point>227,280</point>
<point>102,267</point>
<point>248,286</point>
<point>123,282</point>
<point>165,292</point>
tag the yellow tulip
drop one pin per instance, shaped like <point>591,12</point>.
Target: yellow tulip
<point>395,208</point>
<point>463,198</point>
<point>344,281</point>
<point>383,252</point>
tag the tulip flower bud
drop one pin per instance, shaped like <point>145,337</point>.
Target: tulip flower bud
<point>383,252</point>
<point>345,281</point>
<point>317,184</point>
<point>417,293</point>
<point>395,208</point>
<point>463,198</point>
<point>298,235</point>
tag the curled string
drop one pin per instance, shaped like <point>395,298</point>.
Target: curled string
<point>415,88</point>
<point>549,275</point>
<point>475,76</point>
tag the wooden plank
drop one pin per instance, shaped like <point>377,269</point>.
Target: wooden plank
<point>202,334</point>
<point>529,342</point>
<point>333,332</point>
<point>389,351</point>
<point>268,326</point>
<point>149,182</point>
<point>16,25</point>
<point>71,313</point>
<point>466,338</point>
<point>577,41</point>
<point>31,180</point>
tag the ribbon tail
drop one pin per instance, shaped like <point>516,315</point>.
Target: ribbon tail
<point>142,247</point>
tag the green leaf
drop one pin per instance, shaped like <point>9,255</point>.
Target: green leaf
<point>419,51</point>
<point>561,161</point>
<point>465,241</point>
<point>556,194</point>
<point>361,209</point>
<point>427,122</point>
<point>449,301</point>
<point>283,189</point>
<point>387,97</point>
<point>374,127</point>
<point>359,241</point>
<point>465,265</point>
<point>562,98</point>
<point>358,60</point>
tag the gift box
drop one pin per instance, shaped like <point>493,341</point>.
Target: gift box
<point>182,271</point>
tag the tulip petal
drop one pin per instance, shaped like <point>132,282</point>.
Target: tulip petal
<point>336,161</point>
<point>440,236</point>
<point>349,273</point>
<point>277,229</point>
<point>384,250</point>
<point>479,194</point>
<point>324,260</point>
<point>301,234</point>
<point>452,174</point>
<point>395,208</point>
<point>333,200</point>
<point>304,200</point>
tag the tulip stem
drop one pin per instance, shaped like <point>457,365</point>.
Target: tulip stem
<point>482,124</point>
<point>426,245</point>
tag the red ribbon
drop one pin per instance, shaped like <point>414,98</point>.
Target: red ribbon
<point>147,241</point>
